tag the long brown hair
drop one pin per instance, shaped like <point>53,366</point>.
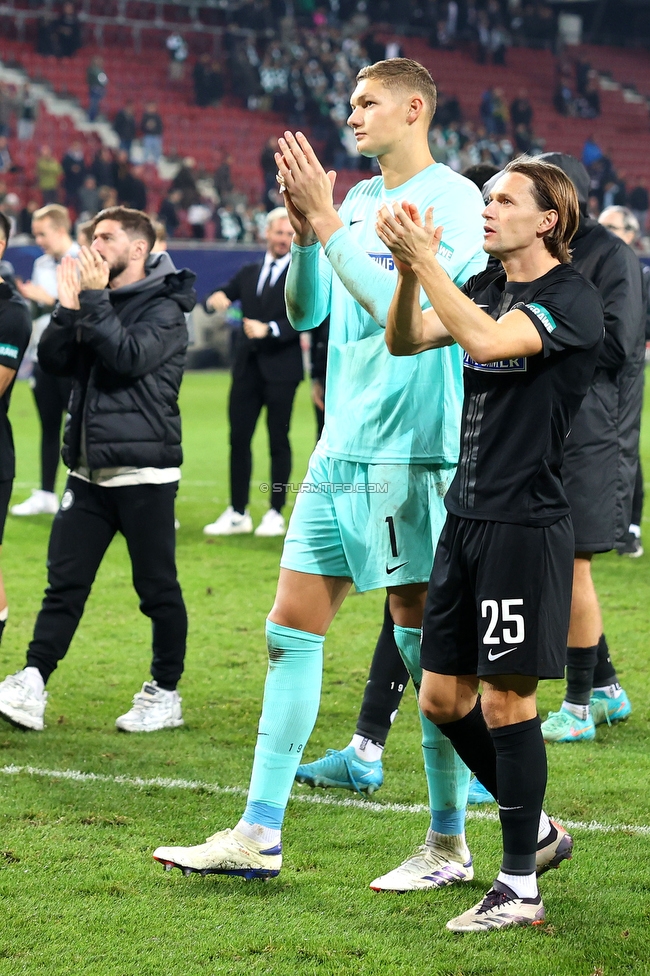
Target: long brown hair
<point>552,190</point>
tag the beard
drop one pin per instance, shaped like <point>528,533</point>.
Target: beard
<point>116,269</point>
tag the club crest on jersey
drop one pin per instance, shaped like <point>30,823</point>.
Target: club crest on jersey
<point>384,260</point>
<point>500,366</point>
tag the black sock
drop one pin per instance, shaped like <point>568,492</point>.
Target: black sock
<point>604,672</point>
<point>384,690</point>
<point>521,775</point>
<point>580,665</point>
<point>472,741</point>
<point>2,628</point>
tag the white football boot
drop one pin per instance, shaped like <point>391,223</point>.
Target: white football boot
<point>226,852</point>
<point>500,909</point>
<point>434,865</point>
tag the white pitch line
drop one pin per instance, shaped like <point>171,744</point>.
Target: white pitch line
<point>77,776</point>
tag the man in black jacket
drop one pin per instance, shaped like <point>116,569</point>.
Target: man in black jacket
<point>599,468</point>
<point>622,222</point>
<point>125,125</point>
<point>15,330</point>
<point>266,370</point>
<point>119,330</point>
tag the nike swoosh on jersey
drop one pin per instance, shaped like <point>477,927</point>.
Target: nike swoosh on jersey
<point>395,568</point>
<point>495,657</point>
<point>359,221</point>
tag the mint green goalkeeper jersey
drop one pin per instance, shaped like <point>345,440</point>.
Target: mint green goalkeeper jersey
<point>381,408</point>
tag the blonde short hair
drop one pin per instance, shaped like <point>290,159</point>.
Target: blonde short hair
<point>279,213</point>
<point>56,214</point>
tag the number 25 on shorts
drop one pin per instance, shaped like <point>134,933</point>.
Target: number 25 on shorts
<point>500,615</point>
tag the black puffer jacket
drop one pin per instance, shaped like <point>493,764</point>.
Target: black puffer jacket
<point>125,350</point>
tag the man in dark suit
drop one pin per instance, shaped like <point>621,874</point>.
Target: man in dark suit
<point>266,370</point>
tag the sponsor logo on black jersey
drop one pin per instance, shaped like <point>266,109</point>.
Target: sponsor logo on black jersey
<point>500,366</point>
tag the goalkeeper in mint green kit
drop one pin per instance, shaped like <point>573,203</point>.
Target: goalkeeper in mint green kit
<point>371,508</point>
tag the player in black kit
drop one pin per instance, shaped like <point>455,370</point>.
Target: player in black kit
<point>500,591</point>
<point>15,330</point>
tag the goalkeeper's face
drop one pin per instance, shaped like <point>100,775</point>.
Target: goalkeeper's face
<point>380,117</point>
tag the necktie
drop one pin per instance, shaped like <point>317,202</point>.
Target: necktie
<point>266,288</point>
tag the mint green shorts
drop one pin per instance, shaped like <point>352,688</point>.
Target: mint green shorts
<point>377,524</point>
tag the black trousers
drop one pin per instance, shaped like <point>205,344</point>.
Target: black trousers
<point>51,394</point>
<point>637,499</point>
<point>248,394</point>
<point>82,531</point>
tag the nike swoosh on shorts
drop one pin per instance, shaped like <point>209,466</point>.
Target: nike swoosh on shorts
<point>395,568</point>
<point>495,657</point>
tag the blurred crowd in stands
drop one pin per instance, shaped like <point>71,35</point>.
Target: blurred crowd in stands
<point>85,185</point>
<point>576,93</point>
<point>490,25</point>
<point>198,202</point>
<point>301,63</point>
<point>609,188</point>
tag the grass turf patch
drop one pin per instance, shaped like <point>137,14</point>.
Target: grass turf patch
<point>80,890</point>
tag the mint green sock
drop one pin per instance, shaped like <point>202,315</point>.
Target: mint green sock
<point>289,710</point>
<point>447,775</point>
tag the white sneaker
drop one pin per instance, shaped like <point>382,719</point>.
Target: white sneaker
<point>227,852</point>
<point>272,524</point>
<point>20,704</point>
<point>153,708</point>
<point>39,503</point>
<point>432,866</point>
<point>230,522</point>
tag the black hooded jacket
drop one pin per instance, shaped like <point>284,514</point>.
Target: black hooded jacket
<point>613,267</point>
<point>125,349</point>
<point>605,434</point>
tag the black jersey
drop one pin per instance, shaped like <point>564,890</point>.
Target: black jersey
<point>15,330</point>
<point>518,412</point>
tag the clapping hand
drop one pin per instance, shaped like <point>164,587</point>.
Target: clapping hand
<point>67,283</point>
<point>34,293</point>
<point>301,227</point>
<point>93,270</point>
<point>407,238</point>
<point>301,174</point>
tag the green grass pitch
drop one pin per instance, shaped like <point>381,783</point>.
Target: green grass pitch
<point>80,891</point>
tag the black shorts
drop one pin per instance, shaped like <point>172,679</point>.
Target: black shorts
<point>5,495</point>
<point>499,599</point>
